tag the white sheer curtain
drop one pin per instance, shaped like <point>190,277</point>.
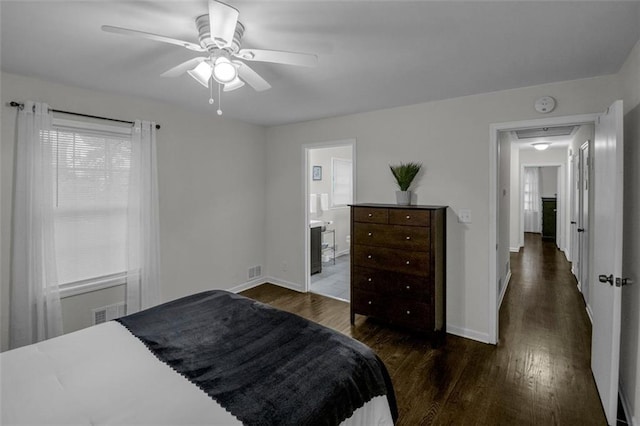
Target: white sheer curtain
<point>143,242</point>
<point>532,219</point>
<point>35,313</point>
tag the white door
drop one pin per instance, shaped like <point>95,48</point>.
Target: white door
<point>606,262</point>
<point>583,223</point>
<point>573,212</point>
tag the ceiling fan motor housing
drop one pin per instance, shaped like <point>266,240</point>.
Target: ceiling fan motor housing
<point>204,36</point>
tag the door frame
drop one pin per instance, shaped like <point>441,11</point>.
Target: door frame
<point>494,130</point>
<point>306,172</point>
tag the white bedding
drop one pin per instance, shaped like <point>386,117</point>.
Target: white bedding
<point>104,375</point>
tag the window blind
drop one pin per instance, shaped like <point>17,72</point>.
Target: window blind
<point>91,195</point>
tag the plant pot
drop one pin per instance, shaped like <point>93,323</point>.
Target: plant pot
<point>403,198</point>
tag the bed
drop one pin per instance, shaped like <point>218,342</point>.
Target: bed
<point>209,358</point>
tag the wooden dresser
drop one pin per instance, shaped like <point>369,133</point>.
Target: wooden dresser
<point>398,265</point>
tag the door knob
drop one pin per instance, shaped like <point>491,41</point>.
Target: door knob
<point>606,279</point>
<point>573,222</point>
<point>580,229</point>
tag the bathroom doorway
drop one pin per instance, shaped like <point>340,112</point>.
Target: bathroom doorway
<point>329,191</point>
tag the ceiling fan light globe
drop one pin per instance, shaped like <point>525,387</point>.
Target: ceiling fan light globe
<point>224,71</point>
<point>235,84</point>
<point>201,73</point>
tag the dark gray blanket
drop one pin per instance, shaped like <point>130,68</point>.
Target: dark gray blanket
<point>263,365</point>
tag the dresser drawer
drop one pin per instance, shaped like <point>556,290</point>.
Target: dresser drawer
<point>370,215</point>
<point>408,262</point>
<point>409,217</point>
<point>367,303</point>
<point>394,236</point>
<point>392,284</point>
<point>412,314</point>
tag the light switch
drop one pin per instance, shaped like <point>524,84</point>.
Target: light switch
<point>464,216</point>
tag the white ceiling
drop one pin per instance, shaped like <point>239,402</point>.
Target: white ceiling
<point>372,54</point>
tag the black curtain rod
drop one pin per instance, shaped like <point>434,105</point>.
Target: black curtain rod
<point>19,105</point>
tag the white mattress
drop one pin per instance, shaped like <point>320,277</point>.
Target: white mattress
<point>104,375</point>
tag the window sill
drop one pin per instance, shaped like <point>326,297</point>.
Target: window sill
<point>94,284</point>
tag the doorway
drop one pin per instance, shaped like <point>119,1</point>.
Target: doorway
<point>329,190</point>
<point>605,201</point>
<point>501,231</point>
<point>582,269</point>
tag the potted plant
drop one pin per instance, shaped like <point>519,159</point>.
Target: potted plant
<point>404,174</point>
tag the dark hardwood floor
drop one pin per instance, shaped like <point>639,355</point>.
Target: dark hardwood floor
<point>539,374</point>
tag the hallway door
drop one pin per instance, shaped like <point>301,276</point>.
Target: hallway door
<point>583,223</point>
<point>606,270</point>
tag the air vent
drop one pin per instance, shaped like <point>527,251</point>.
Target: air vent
<point>255,271</point>
<point>107,313</point>
<point>545,132</point>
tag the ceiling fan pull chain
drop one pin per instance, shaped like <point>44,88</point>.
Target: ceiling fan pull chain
<point>219,100</point>
<point>210,90</point>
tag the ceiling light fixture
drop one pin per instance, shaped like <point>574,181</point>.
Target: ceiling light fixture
<point>235,84</point>
<point>224,71</point>
<point>541,146</point>
<point>219,70</point>
<point>202,73</point>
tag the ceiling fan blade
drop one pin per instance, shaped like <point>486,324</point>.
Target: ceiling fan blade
<point>155,37</point>
<point>278,57</point>
<point>222,23</point>
<point>183,67</point>
<point>252,78</point>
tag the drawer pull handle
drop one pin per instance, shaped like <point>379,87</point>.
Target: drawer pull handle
<point>369,257</point>
<point>408,312</point>
<point>370,214</point>
<point>408,238</point>
<point>369,301</point>
<point>370,234</point>
<point>407,262</point>
<point>408,217</point>
<point>408,287</point>
<point>369,280</point>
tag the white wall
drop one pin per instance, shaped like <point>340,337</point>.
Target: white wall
<point>211,174</point>
<point>451,139</point>
<point>339,215</point>
<point>629,350</point>
<point>549,181</point>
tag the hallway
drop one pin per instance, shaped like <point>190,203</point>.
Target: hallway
<point>545,338</point>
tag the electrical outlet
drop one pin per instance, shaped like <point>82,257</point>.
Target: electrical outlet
<point>464,216</point>
<point>284,266</point>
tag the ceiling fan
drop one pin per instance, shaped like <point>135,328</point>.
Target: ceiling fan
<point>220,39</point>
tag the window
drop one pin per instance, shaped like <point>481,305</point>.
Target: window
<point>531,193</point>
<point>341,185</point>
<point>91,194</point>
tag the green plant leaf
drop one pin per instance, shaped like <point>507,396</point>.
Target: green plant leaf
<point>404,173</point>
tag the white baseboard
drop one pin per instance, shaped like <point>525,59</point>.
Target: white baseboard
<point>626,408</point>
<point>342,252</point>
<point>286,284</point>
<point>507,280</point>
<point>247,285</point>
<point>514,249</point>
<point>468,334</point>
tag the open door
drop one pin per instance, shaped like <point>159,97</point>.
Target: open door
<point>606,263</point>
